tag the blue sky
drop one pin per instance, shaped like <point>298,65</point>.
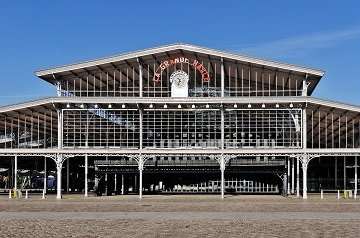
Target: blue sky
<point>40,34</point>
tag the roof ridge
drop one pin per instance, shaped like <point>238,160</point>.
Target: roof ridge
<point>180,45</point>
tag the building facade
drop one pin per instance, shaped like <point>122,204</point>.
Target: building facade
<point>182,118</point>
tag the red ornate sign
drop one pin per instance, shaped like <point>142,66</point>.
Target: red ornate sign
<point>196,64</point>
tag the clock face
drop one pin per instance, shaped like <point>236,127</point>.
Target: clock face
<point>179,78</point>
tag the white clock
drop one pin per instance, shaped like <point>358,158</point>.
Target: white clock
<point>179,79</point>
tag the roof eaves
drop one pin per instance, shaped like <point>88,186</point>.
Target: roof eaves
<point>199,49</point>
<point>22,105</point>
<point>329,103</point>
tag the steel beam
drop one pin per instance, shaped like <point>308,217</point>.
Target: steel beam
<point>86,175</point>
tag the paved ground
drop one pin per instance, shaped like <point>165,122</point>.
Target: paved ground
<point>180,216</point>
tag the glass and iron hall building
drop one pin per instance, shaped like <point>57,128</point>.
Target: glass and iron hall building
<point>181,119</point>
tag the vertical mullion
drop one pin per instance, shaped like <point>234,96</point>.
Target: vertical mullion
<point>353,129</point>
<point>80,79</point>
<point>312,128</point>
<point>262,83</point>
<point>249,81</point>
<point>107,84</point>
<point>127,81</point>
<point>332,131</point>
<point>236,82</point>
<point>289,87</point>
<point>120,82</point>
<point>290,128</point>
<point>229,78</point>
<point>276,85</point>
<point>31,130</point>
<point>87,85</point>
<point>94,89</point>
<point>202,81</point>
<point>74,128</point>
<point>101,82</point>
<point>38,131</point>
<point>249,126</point>
<point>215,75</point>
<point>155,82</point>
<point>45,128</point>
<point>18,132</point>
<point>67,88</point>
<point>276,127</point>
<point>326,134</point>
<point>12,132</point>
<point>5,133</point>
<point>256,85</point>
<point>148,77</point>
<point>133,76</point>
<point>208,68</point>
<point>242,82</point>
<point>319,130</point>
<point>51,128</point>
<point>339,131</point>
<point>195,81</point>
<point>114,86</point>
<point>346,132</point>
<point>74,88</point>
<point>269,89</point>
<point>25,131</point>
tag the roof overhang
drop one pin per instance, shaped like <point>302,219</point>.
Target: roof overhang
<point>161,49</point>
<point>204,152</point>
<point>228,100</point>
<point>161,53</point>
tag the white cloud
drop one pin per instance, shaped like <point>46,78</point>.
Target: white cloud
<point>300,45</point>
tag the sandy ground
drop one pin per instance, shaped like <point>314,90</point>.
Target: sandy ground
<point>180,216</point>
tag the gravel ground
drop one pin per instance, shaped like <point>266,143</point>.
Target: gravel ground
<point>179,216</point>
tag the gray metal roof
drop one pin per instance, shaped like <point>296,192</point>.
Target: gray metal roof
<point>180,46</point>
<point>239,100</point>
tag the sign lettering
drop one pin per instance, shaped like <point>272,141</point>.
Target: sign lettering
<point>196,64</point>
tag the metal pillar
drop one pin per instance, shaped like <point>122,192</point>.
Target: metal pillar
<point>289,175</point>
<point>122,185</point>
<point>222,168</point>
<point>141,167</point>
<point>284,192</point>
<point>45,175</point>
<point>305,86</point>
<point>304,128</point>
<point>304,163</point>
<point>59,162</point>
<point>292,175</point>
<point>140,78</point>
<point>11,181</point>
<point>96,185</point>
<point>106,181</point>
<point>297,177</point>
<point>15,173</point>
<point>222,159</point>
<point>135,183</point>
<point>141,160</point>
<point>140,185</point>
<point>115,183</point>
<point>58,87</point>
<point>344,172</point>
<point>222,78</point>
<point>356,177</point>
<point>86,175</point>
<point>304,158</point>
<point>336,172</point>
<point>59,157</point>
<point>67,175</point>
